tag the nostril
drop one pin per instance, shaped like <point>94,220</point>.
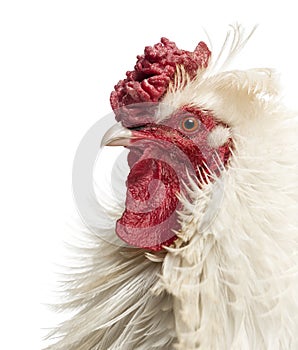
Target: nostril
<point>137,128</point>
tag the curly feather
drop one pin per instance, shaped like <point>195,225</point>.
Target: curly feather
<point>230,282</point>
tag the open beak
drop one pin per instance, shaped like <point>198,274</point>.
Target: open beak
<point>117,135</point>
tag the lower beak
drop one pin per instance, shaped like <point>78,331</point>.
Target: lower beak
<point>117,135</point>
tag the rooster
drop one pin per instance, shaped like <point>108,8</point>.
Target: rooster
<point>208,224</point>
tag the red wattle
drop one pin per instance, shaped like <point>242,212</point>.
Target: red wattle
<point>150,215</point>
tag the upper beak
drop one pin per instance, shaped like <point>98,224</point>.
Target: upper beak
<point>117,135</point>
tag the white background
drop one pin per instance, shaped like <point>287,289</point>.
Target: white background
<point>59,61</point>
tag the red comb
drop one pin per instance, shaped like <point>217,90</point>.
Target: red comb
<point>154,70</point>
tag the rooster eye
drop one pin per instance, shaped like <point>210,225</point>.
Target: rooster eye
<point>189,124</point>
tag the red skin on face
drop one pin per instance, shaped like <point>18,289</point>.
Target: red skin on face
<point>166,153</point>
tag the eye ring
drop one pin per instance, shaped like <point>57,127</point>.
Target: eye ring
<point>189,123</point>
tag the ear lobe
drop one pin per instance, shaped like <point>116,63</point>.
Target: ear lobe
<point>236,96</point>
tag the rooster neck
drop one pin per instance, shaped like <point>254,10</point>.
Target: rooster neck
<point>234,279</point>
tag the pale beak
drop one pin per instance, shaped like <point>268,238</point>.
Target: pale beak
<point>117,135</point>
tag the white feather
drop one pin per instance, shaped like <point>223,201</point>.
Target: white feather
<point>218,136</point>
<point>230,282</point>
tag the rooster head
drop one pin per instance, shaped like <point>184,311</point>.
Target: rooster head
<point>168,147</point>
